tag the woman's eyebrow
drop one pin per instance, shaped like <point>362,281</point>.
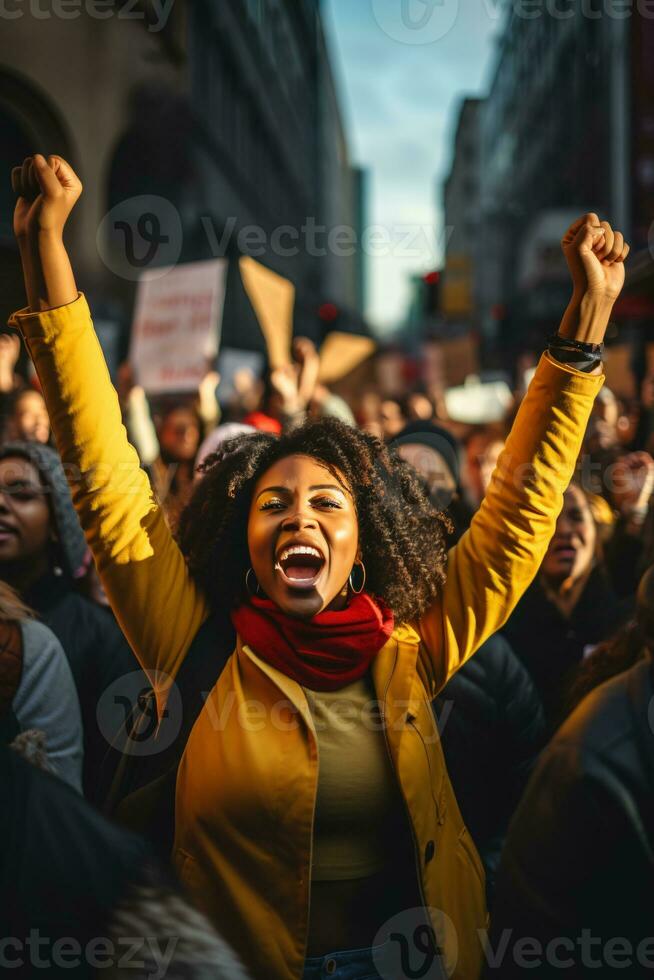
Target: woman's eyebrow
<point>273,490</point>
<point>328,486</point>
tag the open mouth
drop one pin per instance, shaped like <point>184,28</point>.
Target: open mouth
<point>565,552</point>
<point>300,566</point>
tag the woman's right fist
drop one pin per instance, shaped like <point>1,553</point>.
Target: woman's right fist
<point>595,253</point>
<point>47,191</point>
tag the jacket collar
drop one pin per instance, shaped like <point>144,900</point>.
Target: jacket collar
<point>393,669</point>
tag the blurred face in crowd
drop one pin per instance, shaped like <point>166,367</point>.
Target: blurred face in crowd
<point>602,432</point>
<point>572,549</point>
<point>30,420</point>
<point>26,529</point>
<point>627,424</point>
<point>303,536</point>
<point>180,434</point>
<point>419,408</point>
<point>482,454</point>
<point>392,420</point>
<point>433,471</point>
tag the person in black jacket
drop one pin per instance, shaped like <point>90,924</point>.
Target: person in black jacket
<point>492,728</point>
<point>569,609</point>
<point>42,549</point>
<point>489,715</point>
<point>82,898</point>
<point>577,873</point>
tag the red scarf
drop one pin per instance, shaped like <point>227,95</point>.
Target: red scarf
<point>325,653</point>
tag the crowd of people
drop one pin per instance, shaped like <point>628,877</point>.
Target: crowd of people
<point>383,681</point>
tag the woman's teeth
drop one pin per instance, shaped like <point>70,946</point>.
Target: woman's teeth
<point>299,550</point>
<point>300,565</point>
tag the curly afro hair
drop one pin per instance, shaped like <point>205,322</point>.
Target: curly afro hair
<point>403,540</point>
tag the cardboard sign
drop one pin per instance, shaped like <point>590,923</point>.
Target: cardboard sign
<point>341,353</point>
<point>176,328</point>
<point>273,301</point>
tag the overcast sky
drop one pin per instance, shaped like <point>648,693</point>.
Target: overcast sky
<point>403,67</point>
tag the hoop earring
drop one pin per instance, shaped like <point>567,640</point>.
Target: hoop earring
<point>257,590</point>
<point>363,581</point>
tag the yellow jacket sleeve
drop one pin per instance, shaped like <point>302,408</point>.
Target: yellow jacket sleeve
<point>498,557</point>
<point>144,574</point>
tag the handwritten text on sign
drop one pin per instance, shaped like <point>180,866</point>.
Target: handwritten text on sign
<point>176,330</point>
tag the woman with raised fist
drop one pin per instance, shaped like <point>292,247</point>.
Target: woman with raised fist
<point>315,823</point>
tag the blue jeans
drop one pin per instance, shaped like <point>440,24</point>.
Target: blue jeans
<point>349,964</point>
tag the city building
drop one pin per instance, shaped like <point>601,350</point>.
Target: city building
<point>461,215</point>
<point>568,127</point>
<point>227,111</point>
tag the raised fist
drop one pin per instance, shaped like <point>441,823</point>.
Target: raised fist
<point>595,254</point>
<point>47,191</point>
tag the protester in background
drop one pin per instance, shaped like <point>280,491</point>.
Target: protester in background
<point>644,435</point>
<point>630,483</point>
<point>180,431</point>
<point>168,448</point>
<point>569,608</point>
<point>324,403</point>
<point>490,717</point>
<point>578,859</point>
<point>369,414</point>
<point>42,547</point>
<point>28,417</point>
<point>37,689</point>
<point>483,448</point>
<point>23,413</point>
<point>435,454</point>
<point>216,438</point>
<point>391,418</point>
<point>310,522</point>
<point>616,655</point>
<point>602,432</point>
<point>288,390</point>
<point>82,898</point>
<point>418,408</point>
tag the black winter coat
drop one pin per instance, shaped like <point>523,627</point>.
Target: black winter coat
<point>551,647</point>
<point>492,728</point>
<point>99,656</point>
<point>578,866</point>
<point>63,869</point>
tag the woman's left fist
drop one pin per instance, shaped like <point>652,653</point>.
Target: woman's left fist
<point>595,254</point>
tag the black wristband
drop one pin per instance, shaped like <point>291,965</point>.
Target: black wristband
<point>590,350</point>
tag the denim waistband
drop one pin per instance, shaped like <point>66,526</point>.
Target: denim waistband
<point>348,964</point>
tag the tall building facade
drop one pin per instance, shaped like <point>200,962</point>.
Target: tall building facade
<point>216,108</point>
<point>567,127</point>
<point>461,193</point>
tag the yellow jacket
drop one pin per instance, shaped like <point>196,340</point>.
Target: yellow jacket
<point>247,782</point>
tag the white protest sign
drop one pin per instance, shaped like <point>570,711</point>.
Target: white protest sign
<point>477,403</point>
<point>176,327</point>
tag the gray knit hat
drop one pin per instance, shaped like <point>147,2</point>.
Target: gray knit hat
<point>47,462</point>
